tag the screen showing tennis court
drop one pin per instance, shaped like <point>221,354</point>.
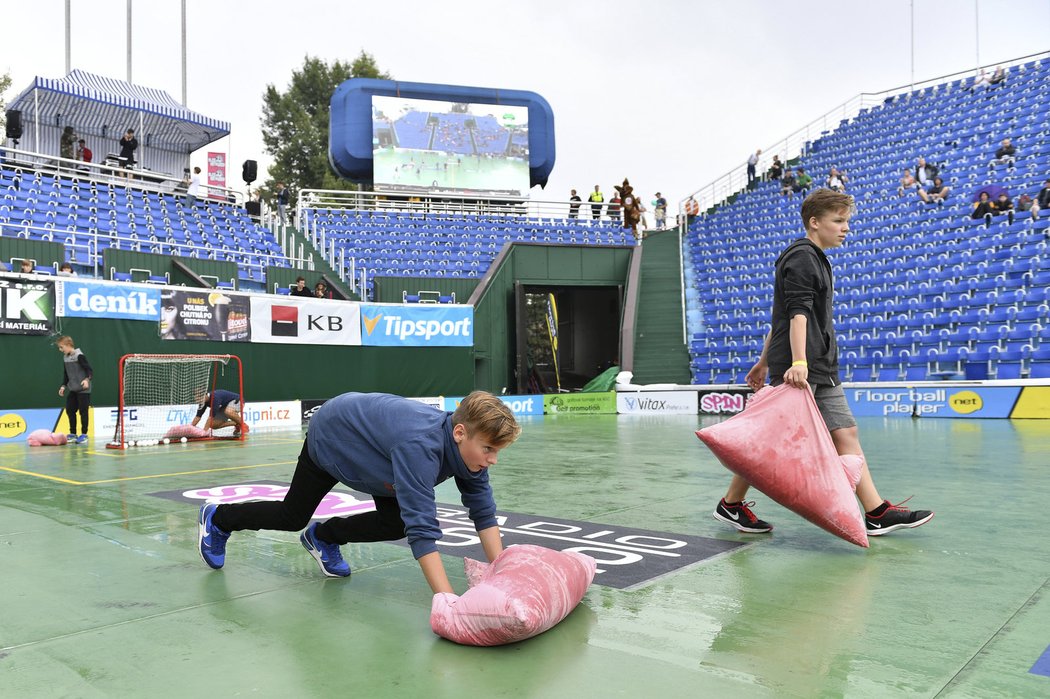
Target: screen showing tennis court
<point>429,145</point>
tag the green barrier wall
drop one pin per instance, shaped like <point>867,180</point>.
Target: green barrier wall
<point>390,289</point>
<point>555,265</point>
<point>44,252</point>
<point>32,366</point>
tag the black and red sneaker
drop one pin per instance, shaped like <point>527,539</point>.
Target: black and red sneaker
<point>891,517</point>
<point>739,515</point>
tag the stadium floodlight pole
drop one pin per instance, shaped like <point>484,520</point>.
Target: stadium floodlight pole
<point>912,5</point>
<point>129,41</point>
<point>69,29</point>
<point>183,52</point>
<point>977,31</point>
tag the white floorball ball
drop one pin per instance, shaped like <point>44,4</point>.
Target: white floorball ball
<point>133,443</point>
<point>183,440</point>
<point>167,441</point>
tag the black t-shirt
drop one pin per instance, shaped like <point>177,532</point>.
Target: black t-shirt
<point>804,284</point>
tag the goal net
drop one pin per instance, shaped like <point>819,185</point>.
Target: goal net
<point>161,394</point>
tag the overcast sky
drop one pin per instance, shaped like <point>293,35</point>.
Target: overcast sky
<point>672,94</point>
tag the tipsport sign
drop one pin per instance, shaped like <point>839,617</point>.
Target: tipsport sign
<point>417,326</point>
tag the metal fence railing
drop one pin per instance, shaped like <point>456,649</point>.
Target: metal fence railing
<point>796,143</point>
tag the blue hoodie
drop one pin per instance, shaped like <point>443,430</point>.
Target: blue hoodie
<point>394,447</point>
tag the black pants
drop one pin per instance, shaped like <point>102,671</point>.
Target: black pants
<point>77,402</point>
<point>309,485</point>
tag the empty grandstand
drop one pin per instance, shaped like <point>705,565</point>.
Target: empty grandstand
<point>367,235</point>
<point>91,211</point>
<point>924,290</point>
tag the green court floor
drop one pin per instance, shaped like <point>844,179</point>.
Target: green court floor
<point>103,593</point>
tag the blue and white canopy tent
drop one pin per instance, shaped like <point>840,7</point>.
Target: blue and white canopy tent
<point>101,109</point>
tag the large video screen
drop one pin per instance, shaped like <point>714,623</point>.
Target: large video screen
<point>432,146</point>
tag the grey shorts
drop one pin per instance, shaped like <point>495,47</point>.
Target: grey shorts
<point>831,401</point>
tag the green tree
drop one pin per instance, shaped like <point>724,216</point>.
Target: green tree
<point>5,82</point>
<point>295,123</point>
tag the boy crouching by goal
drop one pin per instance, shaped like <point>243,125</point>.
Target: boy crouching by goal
<point>396,450</point>
<point>224,410</point>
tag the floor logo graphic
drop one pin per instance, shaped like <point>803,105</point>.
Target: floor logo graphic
<point>627,557</point>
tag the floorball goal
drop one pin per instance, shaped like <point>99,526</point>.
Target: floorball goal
<point>161,394</point>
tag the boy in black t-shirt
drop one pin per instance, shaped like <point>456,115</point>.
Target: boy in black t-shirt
<point>800,350</point>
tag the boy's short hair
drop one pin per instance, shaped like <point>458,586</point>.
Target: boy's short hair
<point>65,340</point>
<point>482,412</point>
<point>824,201</point>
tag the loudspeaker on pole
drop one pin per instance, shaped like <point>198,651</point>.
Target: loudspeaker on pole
<point>13,129</point>
<point>249,171</point>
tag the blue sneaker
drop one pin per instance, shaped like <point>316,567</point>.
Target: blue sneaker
<point>211,540</point>
<point>327,555</point>
<point>82,439</point>
<point>71,438</point>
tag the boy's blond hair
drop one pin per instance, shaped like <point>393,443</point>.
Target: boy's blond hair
<point>481,412</point>
<point>824,201</point>
<point>65,340</point>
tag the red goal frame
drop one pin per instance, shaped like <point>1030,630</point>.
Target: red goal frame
<point>122,441</point>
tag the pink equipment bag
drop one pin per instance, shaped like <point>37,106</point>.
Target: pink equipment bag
<point>188,431</point>
<point>524,592</point>
<point>780,445</point>
<point>44,438</point>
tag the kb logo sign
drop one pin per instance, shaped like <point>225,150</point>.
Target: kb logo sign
<point>26,308</point>
<point>316,322</point>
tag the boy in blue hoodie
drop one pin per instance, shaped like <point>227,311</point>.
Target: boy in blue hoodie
<point>396,450</point>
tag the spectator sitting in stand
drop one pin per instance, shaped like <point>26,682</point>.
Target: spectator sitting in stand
<point>908,181</point>
<point>787,183</point>
<point>1042,200</point>
<point>802,180</point>
<point>834,181</point>
<point>936,193</point>
<point>66,270</point>
<point>1024,203</point>
<point>1006,153</point>
<point>321,290</point>
<point>982,80</point>
<point>1004,205</point>
<point>983,208</point>
<point>27,267</point>
<point>999,76</point>
<point>925,172</point>
<point>776,170</point>
<point>300,288</point>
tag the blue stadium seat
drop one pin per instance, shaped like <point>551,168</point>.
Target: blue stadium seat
<point>920,279</point>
